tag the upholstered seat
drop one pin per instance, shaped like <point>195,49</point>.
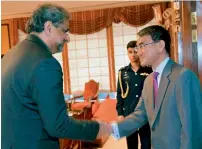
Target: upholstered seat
<point>90,95</point>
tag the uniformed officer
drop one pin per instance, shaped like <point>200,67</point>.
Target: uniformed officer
<point>130,84</point>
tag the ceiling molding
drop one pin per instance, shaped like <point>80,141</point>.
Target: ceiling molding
<point>19,8</point>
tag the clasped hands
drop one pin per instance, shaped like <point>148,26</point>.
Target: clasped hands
<point>106,129</point>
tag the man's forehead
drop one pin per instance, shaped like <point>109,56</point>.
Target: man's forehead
<point>143,39</point>
<point>130,49</point>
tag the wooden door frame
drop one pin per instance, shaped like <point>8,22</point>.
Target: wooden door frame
<point>10,25</point>
<point>199,37</point>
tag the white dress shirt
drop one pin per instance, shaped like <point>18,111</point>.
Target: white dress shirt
<point>115,133</point>
<point>160,69</point>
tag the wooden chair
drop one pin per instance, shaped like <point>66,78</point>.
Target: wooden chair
<point>90,95</point>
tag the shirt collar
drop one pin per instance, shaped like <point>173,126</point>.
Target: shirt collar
<point>161,66</point>
<point>141,69</point>
<point>130,67</point>
<point>38,41</point>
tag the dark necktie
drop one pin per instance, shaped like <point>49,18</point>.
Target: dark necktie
<point>155,85</point>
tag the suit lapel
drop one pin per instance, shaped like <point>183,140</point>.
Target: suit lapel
<point>164,82</point>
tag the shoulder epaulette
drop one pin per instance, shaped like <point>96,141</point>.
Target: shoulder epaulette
<point>122,68</point>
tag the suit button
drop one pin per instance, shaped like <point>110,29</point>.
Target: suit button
<point>123,109</point>
<point>135,84</point>
<point>136,95</point>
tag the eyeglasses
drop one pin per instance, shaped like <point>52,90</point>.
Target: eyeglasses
<point>143,45</point>
<point>65,31</point>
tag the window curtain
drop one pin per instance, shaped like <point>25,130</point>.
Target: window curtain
<point>88,22</point>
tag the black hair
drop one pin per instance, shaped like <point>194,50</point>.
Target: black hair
<point>157,33</point>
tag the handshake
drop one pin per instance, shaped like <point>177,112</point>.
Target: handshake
<point>107,129</point>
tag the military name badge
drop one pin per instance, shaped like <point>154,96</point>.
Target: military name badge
<point>125,75</point>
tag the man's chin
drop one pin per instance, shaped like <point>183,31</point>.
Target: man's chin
<point>60,48</point>
<point>135,60</point>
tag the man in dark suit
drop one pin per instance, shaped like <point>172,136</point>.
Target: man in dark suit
<point>171,99</point>
<point>34,113</point>
<point>129,88</point>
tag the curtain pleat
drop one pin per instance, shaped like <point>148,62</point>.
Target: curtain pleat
<point>88,22</point>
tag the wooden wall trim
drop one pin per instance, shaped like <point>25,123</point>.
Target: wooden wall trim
<point>174,41</point>
<point>111,63</point>
<point>66,74</point>
<point>173,34</point>
<point>15,32</point>
<point>186,34</point>
<point>10,24</point>
<point>199,37</point>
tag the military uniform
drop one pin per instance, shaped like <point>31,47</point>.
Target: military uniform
<point>129,88</point>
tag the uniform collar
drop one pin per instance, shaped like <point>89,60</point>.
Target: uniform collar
<point>130,67</point>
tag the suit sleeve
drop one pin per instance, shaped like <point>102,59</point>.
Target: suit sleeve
<point>135,120</point>
<point>189,102</point>
<point>47,91</point>
<point>120,100</point>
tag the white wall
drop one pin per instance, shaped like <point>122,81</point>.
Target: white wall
<point>88,59</point>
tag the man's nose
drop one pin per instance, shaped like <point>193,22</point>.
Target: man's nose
<point>67,38</point>
<point>134,53</point>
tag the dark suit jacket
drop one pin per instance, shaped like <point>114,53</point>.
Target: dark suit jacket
<point>176,121</point>
<point>33,107</point>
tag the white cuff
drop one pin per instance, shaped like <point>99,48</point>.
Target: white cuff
<point>115,131</point>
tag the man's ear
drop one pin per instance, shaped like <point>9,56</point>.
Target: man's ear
<point>161,45</point>
<point>47,28</point>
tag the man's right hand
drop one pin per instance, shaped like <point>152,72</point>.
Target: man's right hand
<point>105,130</point>
<point>120,118</point>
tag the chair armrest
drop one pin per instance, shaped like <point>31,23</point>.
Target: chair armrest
<point>78,96</point>
<point>72,100</point>
<point>75,97</point>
